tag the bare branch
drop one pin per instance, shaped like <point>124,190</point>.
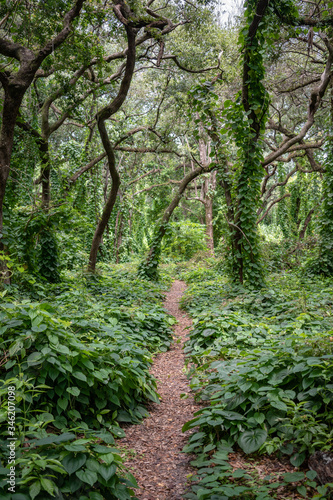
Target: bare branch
<point>314,103</point>
<point>60,37</point>
<point>153,171</point>
<point>147,150</point>
<point>87,167</point>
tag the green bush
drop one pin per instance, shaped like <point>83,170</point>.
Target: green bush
<point>262,361</point>
<point>183,240</point>
<point>79,361</point>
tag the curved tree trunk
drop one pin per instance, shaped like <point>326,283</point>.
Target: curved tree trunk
<point>306,223</point>
<point>148,268</point>
<point>102,116</point>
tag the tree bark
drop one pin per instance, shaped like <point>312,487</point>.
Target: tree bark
<point>207,188</point>
<point>306,223</point>
<point>15,86</point>
<point>45,174</point>
<point>102,116</point>
<point>118,236</point>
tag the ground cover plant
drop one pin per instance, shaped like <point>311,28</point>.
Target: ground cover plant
<point>262,363</point>
<point>79,361</point>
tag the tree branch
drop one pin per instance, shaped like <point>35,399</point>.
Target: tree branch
<point>314,103</point>
<point>287,195</point>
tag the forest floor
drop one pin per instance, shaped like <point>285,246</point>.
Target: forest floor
<point>153,449</point>
<point>155,446</point>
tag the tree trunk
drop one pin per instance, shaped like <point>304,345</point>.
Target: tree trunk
<point>15,86</point>
<point>209,225</point>
<point>322,463</point>
<point>45,174</point>
<point>244,237</point>
<point>119,237</point>
<point>110,201</point>
<point>306,223</point>
<point>148,268</point>
<point>102,116</point>
<point>210,188</point>
<point>12,102</point>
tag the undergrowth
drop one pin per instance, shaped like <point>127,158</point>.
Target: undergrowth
<point>262,363</point>
<point>75,358</point>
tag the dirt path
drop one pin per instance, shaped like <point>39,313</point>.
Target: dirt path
<point>159,466</point>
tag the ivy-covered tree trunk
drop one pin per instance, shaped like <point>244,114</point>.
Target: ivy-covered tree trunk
<point>325,258</point>
<point>118,238</point>
<point>45,174</point>
<point>15,84</point>
<point>209,225</point>
<point>248,115</point>
<point>12,102</point>
<point>324,263</point>
<point>48,257</point>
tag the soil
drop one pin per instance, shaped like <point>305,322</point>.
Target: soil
<point>159,466</point>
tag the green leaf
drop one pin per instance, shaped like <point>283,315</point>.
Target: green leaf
<point>293,477</point>
<point>34,489</point>
<point>94,495</point>
<point>75,391</point>
<point>87,476</point>
<point>302,491</point>
<point>279,405</point>
<point>311,474</point>
<point>259,417</point>
<point>72,463</point>
<point>62,403</point>
<point>55,439</point>
<point>80,376</point>
<point>47,485</point>
<point>297,459</point>
<point>107,471</point>
<point>34,359</point>
<point>250,441</point>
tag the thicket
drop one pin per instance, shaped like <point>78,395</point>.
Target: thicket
<point>262,364</point>
<point>77,361</point>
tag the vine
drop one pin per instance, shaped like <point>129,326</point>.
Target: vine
<point>324,263</point>
<point>241,122</point>
<point>148,268</point>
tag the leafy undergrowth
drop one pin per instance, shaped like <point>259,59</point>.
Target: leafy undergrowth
<point>75,364</point>
<point>262,363</point>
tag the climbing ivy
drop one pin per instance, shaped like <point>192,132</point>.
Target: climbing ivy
<point>48,255</point>
<point>148,269</point>
<point>241,123</point>
<point>324,264</point>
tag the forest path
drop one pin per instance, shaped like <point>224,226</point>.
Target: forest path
<point>159,466</point>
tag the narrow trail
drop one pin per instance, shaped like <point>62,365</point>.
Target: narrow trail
<point>158,465</point>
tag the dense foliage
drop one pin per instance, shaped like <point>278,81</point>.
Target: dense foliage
<point>143,141</point>
<point>263,364</point>
<point>78,360</point>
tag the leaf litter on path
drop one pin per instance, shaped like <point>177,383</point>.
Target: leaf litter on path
<point>159,466</point>
<point>155,446</point>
